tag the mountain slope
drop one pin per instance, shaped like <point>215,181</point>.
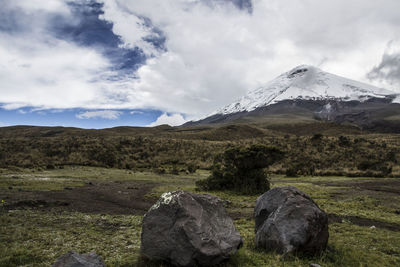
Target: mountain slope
<point>307,94</point>
<point>307,83</point>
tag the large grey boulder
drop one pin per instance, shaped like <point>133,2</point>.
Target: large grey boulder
<point>73,259</point>
<point>189,229</point>
<point>288,220</point>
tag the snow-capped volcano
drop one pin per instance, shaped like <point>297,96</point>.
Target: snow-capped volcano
<point>307,94</point>
<point>306,83</point>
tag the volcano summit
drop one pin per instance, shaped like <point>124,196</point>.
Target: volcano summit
<point>308,92</point>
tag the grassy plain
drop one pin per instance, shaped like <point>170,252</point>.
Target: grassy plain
<point>311,148</point>
<point>45,213</point>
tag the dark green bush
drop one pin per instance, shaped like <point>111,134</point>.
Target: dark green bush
<point>317,137</point>
<point>381,169</point>
<point>50,167</point>
<point>191,168</point>
<point>241,169</point>
<point>291,172</point>
<point>344,141</point>
<point>174,170</point>
<point>301,166</point>
<point>159,170</point>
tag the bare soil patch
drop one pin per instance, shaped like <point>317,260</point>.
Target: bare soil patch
<point>391,186</point>
<point>334,218</point>
<point>95,197</point>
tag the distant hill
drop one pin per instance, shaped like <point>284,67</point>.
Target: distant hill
<point>311,147</point>
<point>308,94</point>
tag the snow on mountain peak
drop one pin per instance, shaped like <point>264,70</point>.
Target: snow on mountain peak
<point>307,83</point>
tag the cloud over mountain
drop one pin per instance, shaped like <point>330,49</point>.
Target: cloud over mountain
<point>388,71</point>
<point>183,56</point>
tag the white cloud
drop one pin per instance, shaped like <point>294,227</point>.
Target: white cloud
<point>388,71</point>
<point>59,75</point>
<point>43,5</point>
<point>129,26</point>
<point>101,114</point>
<point>214,55</point>
<point>172,120</point>
<point>134,112</point>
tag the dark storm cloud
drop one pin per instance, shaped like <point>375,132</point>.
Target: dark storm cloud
<point>389,68</point>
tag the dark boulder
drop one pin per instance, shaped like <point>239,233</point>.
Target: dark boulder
<point>73,259</point>
<point>189,229</point>
<point>288,220</point>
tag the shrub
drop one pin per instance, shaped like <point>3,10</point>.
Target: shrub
<point>50,167</point>
<point>159,170</point>
<point>344,141</point>
<point>366,165</point>
<point>304,166</point>
<point>383,169</point>
<point>241,169</point>
<point>317,137</point>
<point>191,168</point>
<point>174,170</point>
<point>291,172</point>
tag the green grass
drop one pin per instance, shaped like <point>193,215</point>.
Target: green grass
<point>30,237</point>
<point>33,183</point>
<point>109,174</point>
<point>74,176</point>
<point>37,238</point>
<point>349,245</point>
<point>355,204</point>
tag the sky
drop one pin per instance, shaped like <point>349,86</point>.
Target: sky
<point>106,63</point>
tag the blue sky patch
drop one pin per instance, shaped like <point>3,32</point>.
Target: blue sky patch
<point>82,118</point>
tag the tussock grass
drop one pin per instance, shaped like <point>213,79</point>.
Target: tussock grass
<point>35,237</point>
<point>338,150</point>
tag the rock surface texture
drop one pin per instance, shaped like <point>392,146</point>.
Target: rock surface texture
<point>73,259</point>
<point>288,220</point>
<point>189,229</point>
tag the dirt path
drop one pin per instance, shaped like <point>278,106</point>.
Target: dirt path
<point>386,186</point>
<point>96,197</point>
<point>334,218</point>
<point>378,185</point>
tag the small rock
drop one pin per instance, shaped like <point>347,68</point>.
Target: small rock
<point>188,229</point>
<point>372,227</point>
<point>314,265</point>
<point>287,220</point>
<point>73,259</point>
